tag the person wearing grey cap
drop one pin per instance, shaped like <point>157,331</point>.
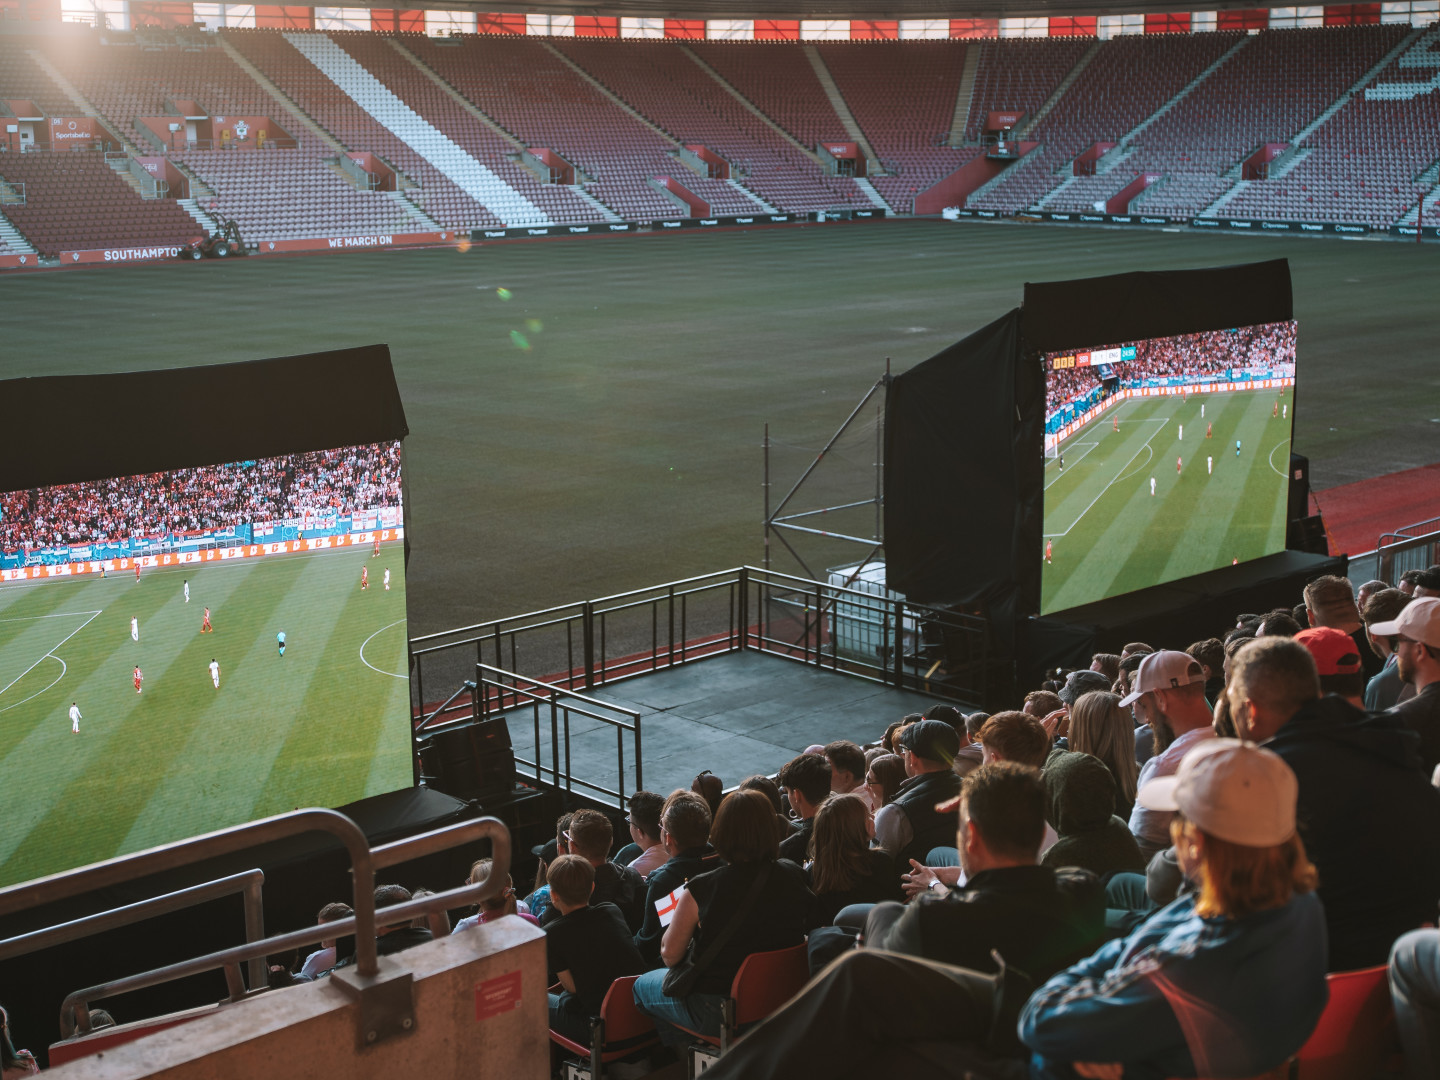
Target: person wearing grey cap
<point>910,825</point>
<point>1168,689</point>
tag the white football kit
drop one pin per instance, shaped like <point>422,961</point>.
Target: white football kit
<point>134,629</point>
<point>215,674</point>
<point>75,718</point>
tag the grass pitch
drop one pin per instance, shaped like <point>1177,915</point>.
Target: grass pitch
<point>323,725</point>
<point>1110,533</point>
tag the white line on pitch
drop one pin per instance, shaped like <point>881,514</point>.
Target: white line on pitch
<point>1162,421</point>
<point>1074,461</point>
<point>367,641</point>
<point>57,615</point>
<point>1271,458</point>
<point>33,666</point>
<point>63,669</point>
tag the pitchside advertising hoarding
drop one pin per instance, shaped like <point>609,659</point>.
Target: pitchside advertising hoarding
<point>1310,228</point>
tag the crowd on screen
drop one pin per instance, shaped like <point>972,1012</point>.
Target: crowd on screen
<point>193,500</point>
<point>1191,356</point>
<point>1147,868</point>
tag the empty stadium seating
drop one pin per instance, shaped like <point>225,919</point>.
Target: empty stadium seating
<point>903,97</point>
<point>1362,132</point>
<point>664,84</point>
<point>75,201</point>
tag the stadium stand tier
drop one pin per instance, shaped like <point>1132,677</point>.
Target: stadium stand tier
<point>1333,124</point>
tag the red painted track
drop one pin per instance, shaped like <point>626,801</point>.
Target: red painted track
<point>1356,514</point>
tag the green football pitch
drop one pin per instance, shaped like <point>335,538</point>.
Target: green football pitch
<point>323,725</point>
<point>1121,515</point>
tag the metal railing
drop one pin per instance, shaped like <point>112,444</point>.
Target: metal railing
<point>573,649</point>
<point>500,692</point>
<point>364,861</point>
<point>1405,549</point>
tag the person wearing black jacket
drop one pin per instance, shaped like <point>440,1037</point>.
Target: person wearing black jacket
<point>685,832</point>
<point>1038,919</point>
<point>911,825</point>
<point>805,780</point>
<point>1367,813</point>
<point>590,836</point>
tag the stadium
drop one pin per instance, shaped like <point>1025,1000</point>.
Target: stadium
<point>408,408</point>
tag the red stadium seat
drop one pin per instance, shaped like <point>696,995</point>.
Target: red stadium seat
<point>618,1032</point>
<point>764,982</point>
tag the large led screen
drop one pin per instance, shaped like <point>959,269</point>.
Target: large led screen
<point>1164,458</point>
<point>190,649</point>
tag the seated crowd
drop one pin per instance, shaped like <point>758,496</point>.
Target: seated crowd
<point>1147,870</point>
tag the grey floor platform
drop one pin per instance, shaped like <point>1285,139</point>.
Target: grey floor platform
<point>734,714</point>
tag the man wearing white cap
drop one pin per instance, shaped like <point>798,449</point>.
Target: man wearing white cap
<point>1369,816</point>
<point>1417,653</point>
<point>1168,694</point>
<point>1228,980</point>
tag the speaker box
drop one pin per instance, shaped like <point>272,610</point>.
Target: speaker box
<point>1308,534</point>
<point>1298,501</point>
<point>470,761</point>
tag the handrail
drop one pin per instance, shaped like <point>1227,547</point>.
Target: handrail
<point>361,924</point>
<point>247,882</point>
<point>121,869</point>
<point>1430,527</point>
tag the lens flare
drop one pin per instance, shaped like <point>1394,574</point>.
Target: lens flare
<point>504,294</point>
<point>463,246</point>
<point>534,325</point>
<point>519,340</point>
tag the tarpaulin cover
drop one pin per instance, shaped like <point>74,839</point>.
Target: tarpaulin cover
<point>964,476</point>
<point>65,429</point>
<point>1108,310</point>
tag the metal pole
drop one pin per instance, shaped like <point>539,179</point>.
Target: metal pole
<point>765,483</point>
<point>589,628</point>
<point>744,604</point>
<point>826,449</point>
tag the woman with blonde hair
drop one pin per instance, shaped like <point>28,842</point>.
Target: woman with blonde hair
<point>843,868</point>
<point>1100,728</point>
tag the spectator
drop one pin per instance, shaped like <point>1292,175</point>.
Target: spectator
<point>765,896</point>
<point>971,754</point>
<point>1407,581</point>
<point>1227,981</point>
<point>946,714</point>
<point>323,958</point>
<point>910,826</point>
<point>1135,648</point>
<point>847,767</point>
<point>884,777</point>
<point>1098,727</point>
<point>844,869</point>
<point>1017,737</point>
<point>1417,630</point>
<point>869,1011</point>
<point>1169,697</point>
<point>771,790</point>
<point>539,898</point>
<point>1107,664</point>
<point>1001,811</point>
<point>1387,688</point>
<point>280,971</point>
<point>887,741</point>
<point>1336,661</point>
<point>395,937</point>
<point>587,948</point>
<point>495,907</point>
<point>1211,655</point>
<point>805,781</point>
<point>1082,682</point>
<point>1330,601</point>
<point>644,822</point>
<point>1369,589</point>
<point>437,922</point>
<point>685,832</point>
<point>1368,814</point>
<point>1080,806</point>
<point>710,788</point>
<point>1427,583</point>
<point>1041,703</point>
<point>590,836</point>
<point>1278,624</point>
<point>13,1063</point>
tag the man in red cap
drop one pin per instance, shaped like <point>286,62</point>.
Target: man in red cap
<point>1337,661</point>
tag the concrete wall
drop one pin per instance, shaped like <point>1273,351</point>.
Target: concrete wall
<point>470,1023</point>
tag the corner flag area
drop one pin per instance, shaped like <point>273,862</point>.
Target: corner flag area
<point>1106,533</point>
<point>323,724</point>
